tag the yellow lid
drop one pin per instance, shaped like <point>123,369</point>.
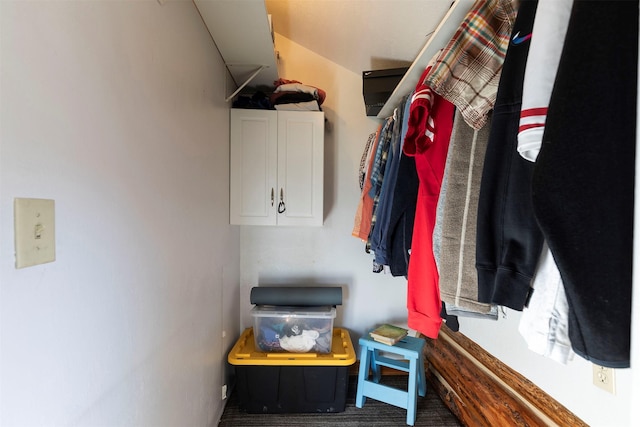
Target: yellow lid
<point>342,353</point>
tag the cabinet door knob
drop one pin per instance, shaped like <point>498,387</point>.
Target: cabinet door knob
<point>281,205</point>
<point>272,197</point>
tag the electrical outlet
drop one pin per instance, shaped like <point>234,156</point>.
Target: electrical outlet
<point>604,378</point>
<point>224,391</point>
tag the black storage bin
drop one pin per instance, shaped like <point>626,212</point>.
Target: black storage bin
<point>377,87</point>
<point>274,383</point>
<point>292,389</point>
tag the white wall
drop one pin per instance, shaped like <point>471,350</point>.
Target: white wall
<point>115,110</point>
<point>330,255</point>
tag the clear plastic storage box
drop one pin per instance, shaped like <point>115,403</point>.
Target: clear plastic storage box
<point>293,329</point>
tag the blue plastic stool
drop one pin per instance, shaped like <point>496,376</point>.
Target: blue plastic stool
<point>411,349</point>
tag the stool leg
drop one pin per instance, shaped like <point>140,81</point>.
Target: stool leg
<point>422,378</point>
<point>412,392</point>
<point>375,369</point>
<point>363,374</point>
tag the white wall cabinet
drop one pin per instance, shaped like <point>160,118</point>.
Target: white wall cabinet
<point>277,167</point>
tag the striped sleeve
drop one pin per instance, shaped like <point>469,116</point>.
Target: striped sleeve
<point>549,30</point>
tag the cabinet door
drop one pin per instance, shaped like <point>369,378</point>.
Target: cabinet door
<point>300,167</point>
<point>253,167</point>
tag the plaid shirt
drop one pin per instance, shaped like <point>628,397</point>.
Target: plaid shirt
<point>380,160</point>
<point>377,175</point>
<point>467,71</point>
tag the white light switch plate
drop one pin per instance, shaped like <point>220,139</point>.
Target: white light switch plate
<point>35,234</point>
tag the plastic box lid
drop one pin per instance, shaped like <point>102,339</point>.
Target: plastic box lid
<point>342,353</point>
<point>320,312</point>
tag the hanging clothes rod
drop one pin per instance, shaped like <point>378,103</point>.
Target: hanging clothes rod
<point>439,39</point>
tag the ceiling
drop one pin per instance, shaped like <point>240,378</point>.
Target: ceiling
<point>359,35</point>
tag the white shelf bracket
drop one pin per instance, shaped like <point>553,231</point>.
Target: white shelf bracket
<point>251,77</point>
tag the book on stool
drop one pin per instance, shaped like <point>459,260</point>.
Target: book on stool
<point>388,334</point>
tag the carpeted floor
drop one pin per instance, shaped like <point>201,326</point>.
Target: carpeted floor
<point>431,412</point>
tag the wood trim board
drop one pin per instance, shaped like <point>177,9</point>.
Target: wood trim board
<point>482,391</point>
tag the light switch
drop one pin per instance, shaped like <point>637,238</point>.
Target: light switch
<point>35,234</point>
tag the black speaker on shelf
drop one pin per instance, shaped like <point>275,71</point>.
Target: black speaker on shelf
<point>377,86</point>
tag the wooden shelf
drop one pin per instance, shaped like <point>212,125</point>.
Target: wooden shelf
<point>242,33</point>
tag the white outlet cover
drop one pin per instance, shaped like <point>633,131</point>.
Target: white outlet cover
<point>35,234</point>
<point>604,378</point>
